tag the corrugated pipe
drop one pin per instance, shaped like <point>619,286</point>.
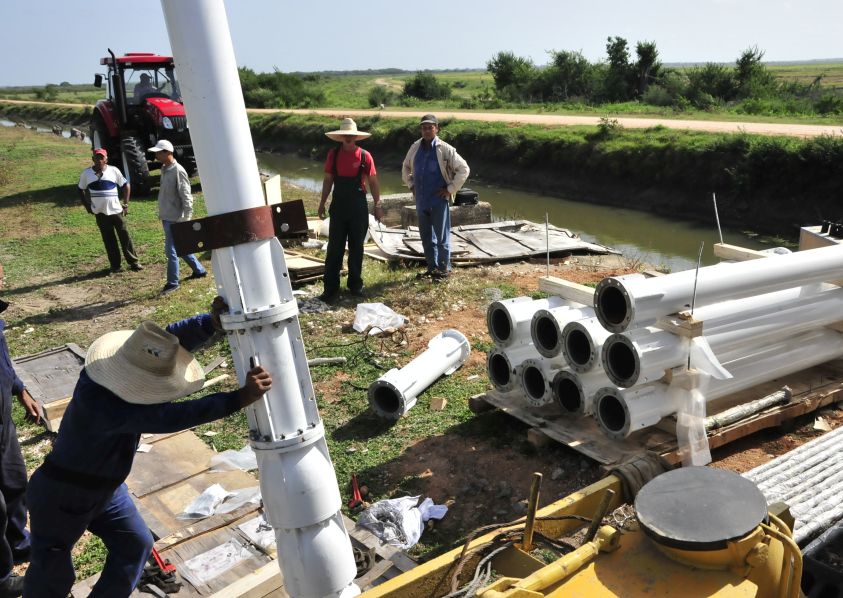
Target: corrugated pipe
<point>394,394</point>
<point>642,355</point>
<point>633,301</point>
<point>623,411</point>
<point>508,320</point>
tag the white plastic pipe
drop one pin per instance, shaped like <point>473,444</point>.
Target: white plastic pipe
<point>298,482</point>
<point>642,355</point>
<point>508,320</point>
<point>621,412</point>
<point>582,344</point>
<point>574,392</point>
<point>634,301</point>
<point>547,325</point>
<point>503,365</point>
<point>394,394</point>
<point>534,376</point>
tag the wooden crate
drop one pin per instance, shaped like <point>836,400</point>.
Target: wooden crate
<point>812,389</point>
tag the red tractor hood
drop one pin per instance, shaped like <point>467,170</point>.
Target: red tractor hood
<point>166,106</point>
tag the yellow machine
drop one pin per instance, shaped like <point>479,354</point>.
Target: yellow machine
<point>697,532</point>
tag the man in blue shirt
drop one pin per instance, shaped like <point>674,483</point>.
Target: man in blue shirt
<point>434,172</point>
<point>14,539</point>
<point>126,389</point>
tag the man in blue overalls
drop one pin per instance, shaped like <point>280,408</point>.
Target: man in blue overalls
<point>14,539</point>
<point>434,172</point>
<point>126,389</point>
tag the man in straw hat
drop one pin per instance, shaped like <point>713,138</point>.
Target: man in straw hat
<point>434,172</point>
<point>14,539</point>
<point>348,169</point>
<point>126,388</point>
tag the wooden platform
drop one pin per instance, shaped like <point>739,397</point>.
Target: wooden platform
<point>50,377</point>
<point>169,477</point>
<point>812,389</point>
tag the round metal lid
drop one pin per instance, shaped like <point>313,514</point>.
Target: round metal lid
<point>699,508</point>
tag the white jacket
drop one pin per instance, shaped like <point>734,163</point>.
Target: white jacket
<point>454,168</point>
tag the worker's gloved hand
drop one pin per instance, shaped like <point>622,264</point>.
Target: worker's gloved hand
<point>258,381</point>
<point>218,307</point>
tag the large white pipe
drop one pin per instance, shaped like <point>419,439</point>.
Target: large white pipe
<point>621,412</point>
<point>503,365</point>
<point>574,392</point>
<point>508,320</point>
<point>642,355</point>
<point>298,482</point>
<point>633,301</point>
<point>394,394</point>
<point>534,376</point>
<point>547,325</point>
<point>582,344</point>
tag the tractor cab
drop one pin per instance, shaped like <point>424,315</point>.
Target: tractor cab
<point>143,104</point>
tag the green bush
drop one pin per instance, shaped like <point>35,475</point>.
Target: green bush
<point>425,86</point>
<point>380,96</point>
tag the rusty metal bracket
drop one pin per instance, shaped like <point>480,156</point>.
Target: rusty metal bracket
<point>282,220</point>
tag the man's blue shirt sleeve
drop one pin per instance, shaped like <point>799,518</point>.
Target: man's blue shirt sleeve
<point>193,332</point>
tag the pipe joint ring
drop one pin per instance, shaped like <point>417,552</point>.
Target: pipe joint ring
<point>291,442</point>
<point>258,319</point>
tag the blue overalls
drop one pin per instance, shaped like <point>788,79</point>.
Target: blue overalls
<point>433,211</point>
<point>80,485</point>
<point>14,539</point>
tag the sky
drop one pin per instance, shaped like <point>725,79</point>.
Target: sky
<point>50,41</point>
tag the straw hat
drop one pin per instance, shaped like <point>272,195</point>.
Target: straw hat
<point>145,366</point>
<point>347,127</point>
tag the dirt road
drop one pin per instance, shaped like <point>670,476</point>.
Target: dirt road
<point>557,120</point>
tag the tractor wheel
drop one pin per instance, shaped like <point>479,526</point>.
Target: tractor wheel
<point>98,134</point>
<point>135,168</point>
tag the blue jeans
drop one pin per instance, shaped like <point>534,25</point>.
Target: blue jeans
<point>59,515</point>
<point>435,233</point>
<point>173,259</point>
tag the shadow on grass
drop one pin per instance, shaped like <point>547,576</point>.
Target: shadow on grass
<point>60,196</point>
<point>67,280</point>
<point>363,426</point>
<point>75,314</point>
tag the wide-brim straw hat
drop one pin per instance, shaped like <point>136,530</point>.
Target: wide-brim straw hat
<point>146,366</point>
<point>347,128</point>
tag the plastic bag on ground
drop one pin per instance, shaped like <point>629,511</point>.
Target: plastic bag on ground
<point>244,459</point>
<point>399,521</point>
<point>378,316</point>
<point>206,503</point>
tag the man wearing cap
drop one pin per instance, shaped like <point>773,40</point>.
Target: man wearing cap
<point>434,172</point>
<point>126,388</point>
<point>348,169</point>
<point>144,87</point>
<point>98,187</point>
<point>14,539</point>
<point>175,204</point>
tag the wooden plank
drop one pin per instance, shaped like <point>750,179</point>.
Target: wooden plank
<point>737,254</point>
<point>162,507</point>
<point>265,581</point>
<point>572,291</point>
<point>681,324</point>
<point>170,461</point>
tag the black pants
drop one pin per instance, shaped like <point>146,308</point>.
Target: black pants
<point>113,227</point>
<point>349,223</point>
<point>14,539</point>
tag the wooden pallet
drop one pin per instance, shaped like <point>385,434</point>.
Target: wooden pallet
<point>812,389</point>
<point>50,377</point>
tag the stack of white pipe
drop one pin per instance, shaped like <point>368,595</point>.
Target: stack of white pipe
<point>762,319</point>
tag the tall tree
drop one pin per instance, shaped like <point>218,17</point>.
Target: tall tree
<point>647,67</point>
<point>619,74</point>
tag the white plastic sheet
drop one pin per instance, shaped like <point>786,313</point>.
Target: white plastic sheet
<point>399,521</point>
<point>378,316</point>
<point>691,437</point>
<point>244,459</point>
<point>206,503</point>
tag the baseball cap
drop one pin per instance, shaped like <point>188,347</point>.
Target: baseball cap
<point>162,145</point>
<point>429,118</point>
<point>101,152</point>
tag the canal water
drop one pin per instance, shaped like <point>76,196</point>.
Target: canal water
<point>638,235</point>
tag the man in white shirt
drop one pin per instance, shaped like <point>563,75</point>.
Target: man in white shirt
<point>98,190</point>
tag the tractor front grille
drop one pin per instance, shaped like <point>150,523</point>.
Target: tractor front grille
<point>179,123</point>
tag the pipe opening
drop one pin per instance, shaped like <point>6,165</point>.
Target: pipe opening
<point>386,399</point>
<point>578,347</point>
<point>611,413</point>
<point>534,382</point>
<point>500,327</point>
<point>499,372</point>
<point>611,305</point>
<point>546,335</point>
<point>621,364</point>
<point>567,394</point>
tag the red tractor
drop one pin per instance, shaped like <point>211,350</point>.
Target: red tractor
<point>143,105</point>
